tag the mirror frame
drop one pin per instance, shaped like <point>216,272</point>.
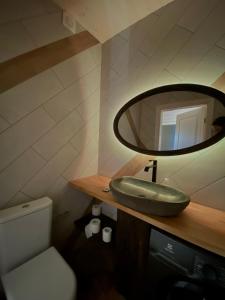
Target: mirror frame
<point>210,91</point>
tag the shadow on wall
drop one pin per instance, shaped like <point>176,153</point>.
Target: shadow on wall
<point>49,124</point>
<point>167,47</point>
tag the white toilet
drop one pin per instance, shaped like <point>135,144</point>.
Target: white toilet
<point>30,269</point>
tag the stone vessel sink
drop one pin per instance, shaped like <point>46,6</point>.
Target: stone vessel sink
<point>148,197</point>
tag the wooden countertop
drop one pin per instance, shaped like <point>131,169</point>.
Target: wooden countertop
<point>200,225</point>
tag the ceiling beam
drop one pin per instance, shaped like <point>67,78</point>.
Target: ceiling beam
<point>27,65</point>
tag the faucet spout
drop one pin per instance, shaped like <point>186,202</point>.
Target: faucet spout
<point>152,166</point>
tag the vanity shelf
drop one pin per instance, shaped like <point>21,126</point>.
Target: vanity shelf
<point>198,224</point>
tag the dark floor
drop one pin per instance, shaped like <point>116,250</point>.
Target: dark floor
<point>93,262</point>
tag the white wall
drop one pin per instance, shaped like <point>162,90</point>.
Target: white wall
<point>183,42</point>
<point>104,18</point>
<point>49,124</point>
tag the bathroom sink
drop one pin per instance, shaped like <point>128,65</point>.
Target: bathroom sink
<point>148,197</point>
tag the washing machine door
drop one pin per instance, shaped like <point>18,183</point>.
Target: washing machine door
<point>187,289</point>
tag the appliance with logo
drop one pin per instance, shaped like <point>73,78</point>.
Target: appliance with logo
<point>180,270</point>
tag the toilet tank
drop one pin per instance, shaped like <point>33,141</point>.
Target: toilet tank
<point>25,231</point>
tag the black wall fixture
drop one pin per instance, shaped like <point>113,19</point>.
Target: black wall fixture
<point>172,120</point>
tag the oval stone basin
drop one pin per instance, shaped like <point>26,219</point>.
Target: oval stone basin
<point>148,197</point>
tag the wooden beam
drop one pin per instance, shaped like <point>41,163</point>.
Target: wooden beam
<point>25,66</point>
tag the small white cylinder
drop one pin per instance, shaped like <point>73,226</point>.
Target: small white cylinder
<point>96,210</point>
<point>94,225</point>
<point>107,234</point>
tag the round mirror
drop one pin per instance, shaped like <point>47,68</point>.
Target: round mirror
<point>172,120</point>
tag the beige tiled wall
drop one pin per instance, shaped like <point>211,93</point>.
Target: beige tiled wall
<point>49,124</point>
<point>182,42</point>
<point>26,25</point>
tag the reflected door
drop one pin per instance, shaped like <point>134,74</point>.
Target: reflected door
<point>190,128</point>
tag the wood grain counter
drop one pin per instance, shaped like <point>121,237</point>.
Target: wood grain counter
<point>200,225</point>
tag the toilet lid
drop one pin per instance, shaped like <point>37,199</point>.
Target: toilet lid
<point>46,276</point>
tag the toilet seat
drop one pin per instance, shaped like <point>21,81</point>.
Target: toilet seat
<point>46,276</point>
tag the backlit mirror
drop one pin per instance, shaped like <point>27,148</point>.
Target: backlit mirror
<point>172,120</point>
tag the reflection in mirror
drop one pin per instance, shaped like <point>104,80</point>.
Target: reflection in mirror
<point>171,120</point>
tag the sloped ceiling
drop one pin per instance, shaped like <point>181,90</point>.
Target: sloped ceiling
<point>106,18</point>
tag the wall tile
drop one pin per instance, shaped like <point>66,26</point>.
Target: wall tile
<point>3,124</point>
<point>221,42</point>
<point>82,167</point>
<point>81,139</point>
<point>49,6</point>
<point>212,195</point>
<point>169,166</point>
<point>88,108</point>
<point>112,155</point>
<point>166,77</point>
<point>210,31</point>
<point>138,32</point>
<point>117,53</point>
<point>108,76</point>
<point>111,85</point>
<point>134,69</point>
<point>201,172</point>
<point>96,53</point>
<point>169,48</point>
<point>77,66</point>
<point>90,82</point>
<point>65,102</point>
<point>57,192</point>
<point>79,28</point>
<point>168,18</point>
<point>91,168</point>
<point>43,180</point>
<point>171,182</point>
<point>74,204</point>
<point>58,136</point>
<point>14,40</point>
<point>82,161</point>
<point>67,199</point>
<point>15,140</point>
<point>18,173</point>
<point>209,68</point>
<point>12,10</point>
<point>59,106</point>
<point>196,13</point>
<point>18,199</point>
<point>27,96</point>
<point>46,29</point>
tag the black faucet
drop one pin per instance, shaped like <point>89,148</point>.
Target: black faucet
<point>152,166</point>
